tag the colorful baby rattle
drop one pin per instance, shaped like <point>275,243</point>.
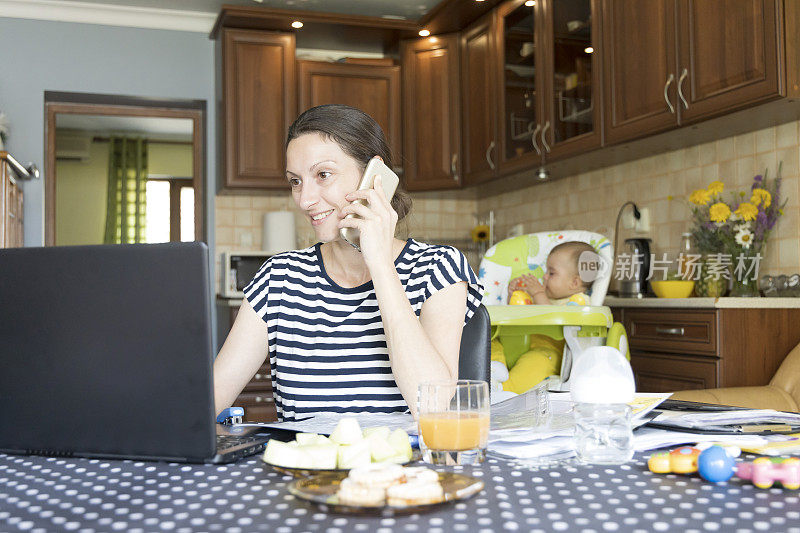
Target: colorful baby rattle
<point>682,460</point>
<point>765,471</point>
<point>714,464</point>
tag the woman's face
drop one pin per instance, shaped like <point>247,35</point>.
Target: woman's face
<point>321,174</point>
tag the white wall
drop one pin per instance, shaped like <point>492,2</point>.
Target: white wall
<point>41,56</point>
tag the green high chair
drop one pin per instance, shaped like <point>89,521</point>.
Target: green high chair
<point>579,326</point>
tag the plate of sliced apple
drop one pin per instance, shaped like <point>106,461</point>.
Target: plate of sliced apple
<point>347,447</point>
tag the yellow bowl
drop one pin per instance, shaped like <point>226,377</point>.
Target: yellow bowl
<point>672,288</point>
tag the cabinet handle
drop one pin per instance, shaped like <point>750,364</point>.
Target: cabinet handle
<point>666,98</point>
<point>489,155</point>
<point>680,88</point>
<point>544,141</point>
<point>669,331</point>
<point>258,377</point>
<point>533,139</point>
<point>453,162</point>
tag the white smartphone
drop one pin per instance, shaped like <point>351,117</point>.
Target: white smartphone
<point>389,180</point>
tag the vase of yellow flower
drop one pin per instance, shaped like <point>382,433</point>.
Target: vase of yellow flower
<point>733,233</point>
<point>711,279</point>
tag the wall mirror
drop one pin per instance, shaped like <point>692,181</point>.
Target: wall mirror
<point>120,170</point>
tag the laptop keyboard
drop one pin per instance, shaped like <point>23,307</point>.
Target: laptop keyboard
<point>234,447</point>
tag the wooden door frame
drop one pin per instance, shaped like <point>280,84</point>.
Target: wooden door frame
<point>98,104</point>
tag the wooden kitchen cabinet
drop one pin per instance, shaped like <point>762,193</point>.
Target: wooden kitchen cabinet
<point>674,62</point>
<point>729,55</point>
<point>572,74</point>
<point>639,59</point>
<point>256,398</point>
<point>682,349</point>
<point>536,67</point>
<point>431,113</point>
<point>258,106</point>
<point>518,65</point>
<point>373,89</point>
<point>478,101</point>
<point>11,203</point>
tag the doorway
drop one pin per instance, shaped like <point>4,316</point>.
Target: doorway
<point>160,144</point>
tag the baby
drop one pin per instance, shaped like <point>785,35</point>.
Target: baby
<point>562,286</point>
<point>562,282</point>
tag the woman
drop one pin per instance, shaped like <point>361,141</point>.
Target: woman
<point>347,331</point>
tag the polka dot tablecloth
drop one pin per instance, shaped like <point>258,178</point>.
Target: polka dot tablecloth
<point>44,494</point>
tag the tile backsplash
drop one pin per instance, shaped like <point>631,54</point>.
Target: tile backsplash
<point>662,183</point>
<point>591,200</point>
<point>443,217</point>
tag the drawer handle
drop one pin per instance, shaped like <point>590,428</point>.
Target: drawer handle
<point>669,331</point>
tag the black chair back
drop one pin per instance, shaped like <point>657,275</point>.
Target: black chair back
<point>473,357</point>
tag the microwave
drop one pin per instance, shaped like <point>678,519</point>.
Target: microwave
<point>238,269</point>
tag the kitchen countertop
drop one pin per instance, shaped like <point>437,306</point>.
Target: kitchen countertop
<point>705,303</point>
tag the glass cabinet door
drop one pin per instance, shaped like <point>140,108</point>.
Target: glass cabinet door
<point>572,91</point>
<point>518,54</point>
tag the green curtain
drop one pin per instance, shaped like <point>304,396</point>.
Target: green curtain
<point>127,196</point>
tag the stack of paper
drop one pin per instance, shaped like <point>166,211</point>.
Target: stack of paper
<point>326,423</point>
<point>738,420</point>
<point>514,437</point>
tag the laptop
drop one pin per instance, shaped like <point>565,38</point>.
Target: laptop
<point>106,351</point>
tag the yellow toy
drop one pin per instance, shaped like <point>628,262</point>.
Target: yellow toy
<point>520,298</point>
<point>531,367</point>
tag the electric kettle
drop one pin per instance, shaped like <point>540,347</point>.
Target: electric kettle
<point>634,283</point>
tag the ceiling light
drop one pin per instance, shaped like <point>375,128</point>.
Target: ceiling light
<point>530,3</point>
<point>542,174</point>
<point>588,49</point>
<point>297,24</point>
<point>424,33</point>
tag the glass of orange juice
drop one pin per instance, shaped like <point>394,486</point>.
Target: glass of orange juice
<point>453,421</point>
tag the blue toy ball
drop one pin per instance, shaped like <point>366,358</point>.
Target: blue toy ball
<point>714,464</point>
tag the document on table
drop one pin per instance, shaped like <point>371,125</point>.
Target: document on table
<point>647,438</point>
<point>326,423</point>
<point>513,436</point>
<point>734,421</point>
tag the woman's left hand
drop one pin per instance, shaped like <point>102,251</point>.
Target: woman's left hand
<point>376,223</point>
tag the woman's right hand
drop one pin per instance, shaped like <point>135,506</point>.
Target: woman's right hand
<point>376,223</point>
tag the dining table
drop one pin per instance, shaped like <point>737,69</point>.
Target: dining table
<point>45,494</point>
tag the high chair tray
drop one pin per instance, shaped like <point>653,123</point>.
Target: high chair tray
<point>550,315</point>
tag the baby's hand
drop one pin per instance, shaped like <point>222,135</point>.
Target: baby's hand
<point>528,283</point>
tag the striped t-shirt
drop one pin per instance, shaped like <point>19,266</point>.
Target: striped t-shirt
<point>327,347</point>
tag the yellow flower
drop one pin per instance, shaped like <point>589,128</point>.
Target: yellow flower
<point>747,211</point>
<point>700,197</point>
<point>715,188</point>
<point>760,195</point>
<point>480,233</point>
<point>719,212</point>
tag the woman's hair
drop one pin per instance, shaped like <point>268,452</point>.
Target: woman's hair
<point>356,133</point>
